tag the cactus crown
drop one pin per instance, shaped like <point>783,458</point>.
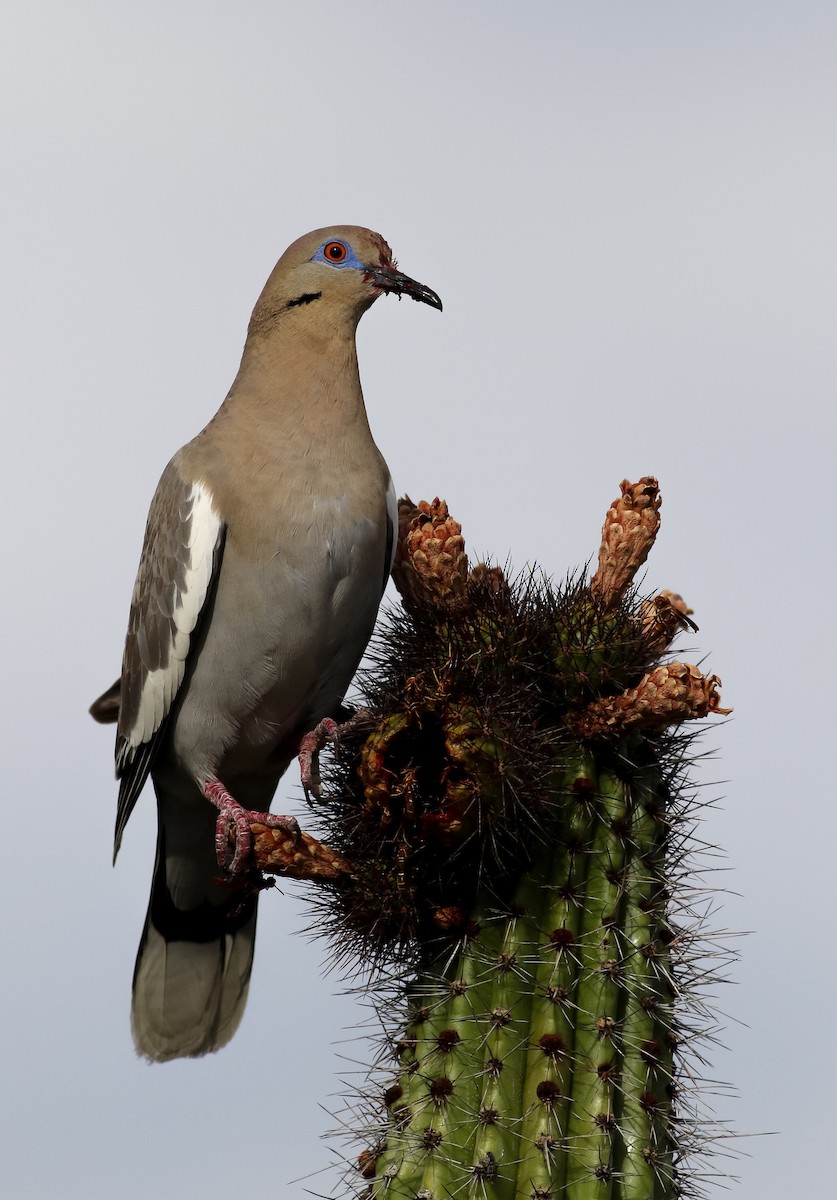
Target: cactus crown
<point>509,820</point>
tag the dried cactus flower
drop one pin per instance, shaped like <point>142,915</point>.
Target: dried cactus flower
<point>490,578</point>
<point>431,566</point>
<point>670,694</point>
<point>302,857</point>
<point>627,536</point>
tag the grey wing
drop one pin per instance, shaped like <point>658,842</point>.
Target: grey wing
<point>181,556</point>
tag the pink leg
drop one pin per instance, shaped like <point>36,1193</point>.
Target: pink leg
<point>312,743</point>
<point>230,812</point>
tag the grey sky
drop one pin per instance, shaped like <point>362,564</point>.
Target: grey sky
<point>629,212</point>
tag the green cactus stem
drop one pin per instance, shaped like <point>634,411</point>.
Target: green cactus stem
<point>539,1059</point>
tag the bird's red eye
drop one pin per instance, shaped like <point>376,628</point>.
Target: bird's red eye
<point>335,251</point>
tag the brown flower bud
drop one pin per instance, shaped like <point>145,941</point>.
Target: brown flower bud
<point>668,695</point>
<point>484,578</point>
<point>431,566</point>
<point>303,857</point>
<point>627,536</point>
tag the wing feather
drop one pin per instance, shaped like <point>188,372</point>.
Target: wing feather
<point>180,560</point>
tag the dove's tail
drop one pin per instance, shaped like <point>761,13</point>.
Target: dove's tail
<point>196,954</point>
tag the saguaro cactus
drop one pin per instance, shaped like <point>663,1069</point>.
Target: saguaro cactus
<point>508,822</point>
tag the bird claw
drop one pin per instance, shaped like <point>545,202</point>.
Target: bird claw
<point>230,813</point>
<point>309,756</point>
<point>312,743</point>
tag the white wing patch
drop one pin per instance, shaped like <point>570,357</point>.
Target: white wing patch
<point>161,684</point>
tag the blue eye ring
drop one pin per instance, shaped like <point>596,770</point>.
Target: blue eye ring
<point>338,254</point>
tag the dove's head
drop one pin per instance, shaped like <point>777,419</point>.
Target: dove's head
<point>339,271</point>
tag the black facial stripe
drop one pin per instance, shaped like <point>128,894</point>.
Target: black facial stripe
<point>305,298</point>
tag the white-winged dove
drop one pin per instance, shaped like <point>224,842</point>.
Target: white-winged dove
<point>268,546</point>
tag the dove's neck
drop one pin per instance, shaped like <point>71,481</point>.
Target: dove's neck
<point>292,427</point>
<point>299,377</point>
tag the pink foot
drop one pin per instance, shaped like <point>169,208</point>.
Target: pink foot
<point>312,743</point>
<point>230,812</point>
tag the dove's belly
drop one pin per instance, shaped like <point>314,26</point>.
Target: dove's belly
<point>285,637</point>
